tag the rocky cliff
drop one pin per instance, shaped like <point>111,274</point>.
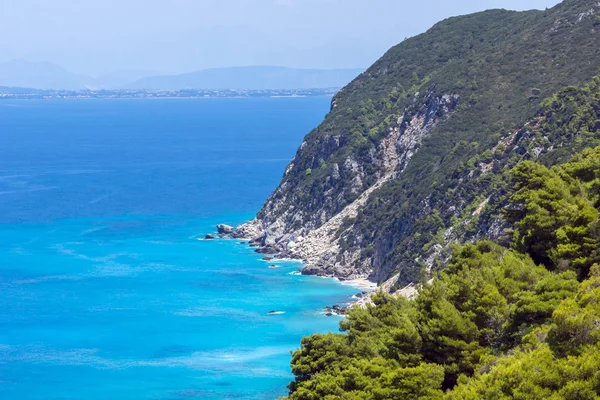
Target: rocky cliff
<point>405,162</point>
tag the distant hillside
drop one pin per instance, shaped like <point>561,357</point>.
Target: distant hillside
<point>40,75</point>
<point>5,90</point>
<point>46,75</point>
<point>250,78</point>
<point>49,76</point>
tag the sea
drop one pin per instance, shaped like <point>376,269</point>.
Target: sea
<point>107,290</point>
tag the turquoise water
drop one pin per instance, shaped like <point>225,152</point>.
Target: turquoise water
<point>105,289</point>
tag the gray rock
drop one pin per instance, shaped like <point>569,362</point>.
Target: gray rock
<point>270,241</point>
<point>256,242</point>
<point>267,250</point>
<point>209,237</point>
<point>312,270</point>
<point>225,229</point>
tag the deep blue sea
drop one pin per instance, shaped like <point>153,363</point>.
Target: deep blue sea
<point>106,291</point>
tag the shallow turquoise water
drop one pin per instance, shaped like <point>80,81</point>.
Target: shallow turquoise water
<point>105,289</point>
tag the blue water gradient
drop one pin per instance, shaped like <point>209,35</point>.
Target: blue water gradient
<point>106,291</point>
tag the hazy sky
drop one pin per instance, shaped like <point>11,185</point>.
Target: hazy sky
<point>169,36</point>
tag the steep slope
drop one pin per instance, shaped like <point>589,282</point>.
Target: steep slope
<point>495,323</point>
<point>376,188</point>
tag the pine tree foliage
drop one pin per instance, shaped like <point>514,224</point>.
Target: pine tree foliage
<point>498,323</point>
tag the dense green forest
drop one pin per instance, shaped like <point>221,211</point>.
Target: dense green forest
<point>516,321</point>
<point>520,322</point>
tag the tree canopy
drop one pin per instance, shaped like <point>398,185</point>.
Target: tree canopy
<point>499,323</point>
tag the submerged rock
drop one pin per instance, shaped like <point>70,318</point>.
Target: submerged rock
<point>209,237</point>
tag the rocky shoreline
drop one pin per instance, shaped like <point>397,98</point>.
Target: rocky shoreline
<point>314,250</point>
<point>317,245</point>
<point>251,233</point>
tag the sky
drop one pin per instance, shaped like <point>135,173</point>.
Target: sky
<point>103,37</point>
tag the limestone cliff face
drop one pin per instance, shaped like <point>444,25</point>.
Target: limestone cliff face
<point>286,231</point>
<point>383,185</point>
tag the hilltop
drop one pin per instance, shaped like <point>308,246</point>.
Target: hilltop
<point>401,166</point>
<point>465,164</point>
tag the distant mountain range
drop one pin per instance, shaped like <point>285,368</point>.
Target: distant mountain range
<point>40,75</point>
<point>45,75</point>
<point>255,78</point>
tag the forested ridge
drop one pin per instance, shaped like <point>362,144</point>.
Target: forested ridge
<point>514,321</point>
<point>426,134</point>
<point>465,161</point>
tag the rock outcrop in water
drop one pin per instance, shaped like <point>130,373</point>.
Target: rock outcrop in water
<point>225,229</point>
<point>401,166</point>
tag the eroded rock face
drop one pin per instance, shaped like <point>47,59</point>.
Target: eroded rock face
<point>407,140</point>
<point>286,229</point>
<point>420,125</point>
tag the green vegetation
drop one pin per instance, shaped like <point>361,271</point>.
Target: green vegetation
<point>565,123</point>
<point>501,66</point>
<point>553,212</point>
<point>560,360</point>
<point>494,324</point>
<point>498,115</point>
<point>504,111</point>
